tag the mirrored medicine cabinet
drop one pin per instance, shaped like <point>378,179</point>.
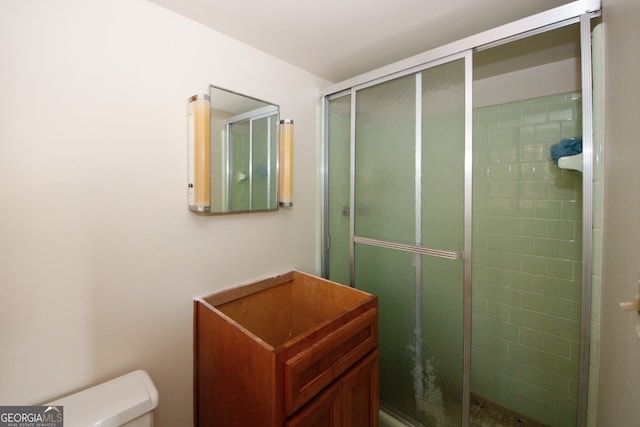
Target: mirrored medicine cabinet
<point>243,150</point>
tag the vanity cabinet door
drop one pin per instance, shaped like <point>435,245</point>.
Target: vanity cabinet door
<point>323,411</point>
<point>360,394</point>
<point>350,402</point>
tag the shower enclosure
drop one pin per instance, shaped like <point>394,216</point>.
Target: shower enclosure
<point>442,200</point>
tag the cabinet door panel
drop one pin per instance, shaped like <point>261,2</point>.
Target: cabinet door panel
<point>323,411</point>
<point>360,394</point>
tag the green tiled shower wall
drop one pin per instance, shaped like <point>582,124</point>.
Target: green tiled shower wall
<point>527,251</point>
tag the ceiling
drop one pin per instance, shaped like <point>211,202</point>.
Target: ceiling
<point>339,39</point>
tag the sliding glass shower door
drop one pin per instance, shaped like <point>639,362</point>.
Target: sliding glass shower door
<point>407,233</point>
<point>398,223</point>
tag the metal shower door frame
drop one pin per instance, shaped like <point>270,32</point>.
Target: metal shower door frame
<point>417,249</point>
<point>580,11</point>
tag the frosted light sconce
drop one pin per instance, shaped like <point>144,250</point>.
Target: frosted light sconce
<point>199,153</point>
<point>285,163</point>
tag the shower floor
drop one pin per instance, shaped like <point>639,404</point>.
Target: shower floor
<point>484,413</point>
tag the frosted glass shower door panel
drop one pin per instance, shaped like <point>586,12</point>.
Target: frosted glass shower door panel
<point>442,156</point>
<point>338,204</point>
<point>390,275</point>
<point>438,377</point>
<point>439,373</point>
<point>385,159</point>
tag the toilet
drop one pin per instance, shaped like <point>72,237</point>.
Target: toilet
<point>126,401</point>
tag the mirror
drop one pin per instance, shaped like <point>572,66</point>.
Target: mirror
<point>244,143</point>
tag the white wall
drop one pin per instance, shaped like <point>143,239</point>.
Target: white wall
<point>99,256</point>
<point>619,379</point>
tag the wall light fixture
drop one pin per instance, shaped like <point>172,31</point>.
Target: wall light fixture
<point>285,163</point>
<point>199,153</point>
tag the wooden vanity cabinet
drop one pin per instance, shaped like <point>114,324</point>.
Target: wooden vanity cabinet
<point>290,351</point>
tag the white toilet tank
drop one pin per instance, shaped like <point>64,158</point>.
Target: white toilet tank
<point>124,401</point>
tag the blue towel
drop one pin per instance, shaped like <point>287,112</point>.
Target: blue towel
<point>566,147</point>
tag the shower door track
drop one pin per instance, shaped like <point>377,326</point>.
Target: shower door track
<point>567,14</point>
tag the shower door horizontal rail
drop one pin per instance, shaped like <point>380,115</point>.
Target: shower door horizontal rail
<point>440,253</point>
